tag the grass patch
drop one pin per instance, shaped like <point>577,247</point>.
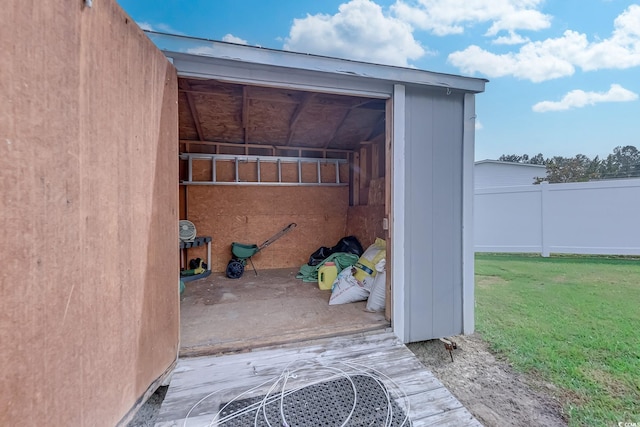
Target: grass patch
<point>574,321</point>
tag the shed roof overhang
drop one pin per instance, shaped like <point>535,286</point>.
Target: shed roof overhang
<point>187,47</point>
<point>233,94</point>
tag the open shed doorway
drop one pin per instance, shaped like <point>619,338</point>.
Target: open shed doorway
<point>253,160</point>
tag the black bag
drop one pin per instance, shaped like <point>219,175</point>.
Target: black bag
<point>319,255</point>
<point>349,244</point>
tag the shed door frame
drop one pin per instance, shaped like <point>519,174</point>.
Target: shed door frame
<point>394,131</point>
<point>397,211</point>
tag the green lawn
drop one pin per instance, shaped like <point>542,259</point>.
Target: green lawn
<point>572,321</point>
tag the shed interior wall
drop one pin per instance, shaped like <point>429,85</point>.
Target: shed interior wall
<point>368,193</point>
<point>252,120</point>
<point>251,214</point>
<point>89,208</point>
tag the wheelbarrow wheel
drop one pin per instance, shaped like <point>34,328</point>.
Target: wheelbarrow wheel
<point>235,269</point>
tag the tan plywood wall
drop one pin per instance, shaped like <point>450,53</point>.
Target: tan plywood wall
<point>365,217</point>
<point>365,222</point>
<point>250,214</point>
<point>89,198</point>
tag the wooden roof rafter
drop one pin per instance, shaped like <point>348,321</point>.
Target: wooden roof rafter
<point>356,104</point>
<point>378,129</point>
<point>306,99</point>
<point>337,128</point>
<point>245,114</point>
<point>184,84</point>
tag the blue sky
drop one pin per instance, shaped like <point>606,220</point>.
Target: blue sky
<point>564,74</point>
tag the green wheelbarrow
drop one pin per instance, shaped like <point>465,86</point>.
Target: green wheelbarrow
<point>240,252</point>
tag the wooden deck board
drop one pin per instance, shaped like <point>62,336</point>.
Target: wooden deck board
<point>219,379</point>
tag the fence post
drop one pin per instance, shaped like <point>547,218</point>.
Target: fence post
<point>544,217</point>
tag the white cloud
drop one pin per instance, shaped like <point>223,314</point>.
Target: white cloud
<point>359,31</point>
<point>230,38</point>
<point>208,48</point>
<point>530,63</point>
<point>158,28</point>
<point>579,98</point>
<point>621,50</point>
<point>558,57</point>
<point>145,26</point>
<point>478,124</point>
<point>512,38</point>
<point>512,17</point>
<point>451,16</point>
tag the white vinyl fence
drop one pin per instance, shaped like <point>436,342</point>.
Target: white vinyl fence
<point>601,217</point>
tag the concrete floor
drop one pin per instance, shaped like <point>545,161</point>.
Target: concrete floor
<point>228,315</point>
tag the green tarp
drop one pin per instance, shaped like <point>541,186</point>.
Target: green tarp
<point>343,260</point>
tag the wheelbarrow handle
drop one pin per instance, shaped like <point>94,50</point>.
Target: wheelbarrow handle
<point>278,235</point>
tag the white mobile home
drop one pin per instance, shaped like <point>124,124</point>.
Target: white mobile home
<point>494,173</point>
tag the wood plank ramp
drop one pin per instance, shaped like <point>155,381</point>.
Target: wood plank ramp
<point>200,384</point>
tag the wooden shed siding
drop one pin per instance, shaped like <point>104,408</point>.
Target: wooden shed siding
<point>250,214</point>
<point>433,215</point>
<point>88,161</point>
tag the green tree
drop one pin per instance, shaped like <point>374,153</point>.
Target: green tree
<point>624,162</point>
<point>579,168</point>
<point>538,159</point>
<point>513,158</point>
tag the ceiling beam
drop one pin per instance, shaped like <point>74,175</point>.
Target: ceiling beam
<point>183,84</point>
<point>357,104</point>
<point>376,130</point>
<point>245,114</point>
<point>337,128</point>
<point>263,146</point>
<point>371,104</point>
<point>306,99</point>
<point>258,96</point>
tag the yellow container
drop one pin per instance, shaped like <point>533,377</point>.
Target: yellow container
<point>327,275</point>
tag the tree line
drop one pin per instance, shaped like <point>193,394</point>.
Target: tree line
<point>623,162</point>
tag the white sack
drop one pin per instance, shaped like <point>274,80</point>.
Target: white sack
<point>365,267</point>
<point>347,289</point>
<point>376,300</point>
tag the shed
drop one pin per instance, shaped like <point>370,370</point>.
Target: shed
<point>107,142</point>
<point>495,173</point>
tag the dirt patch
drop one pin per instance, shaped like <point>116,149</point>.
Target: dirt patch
<point>488,387</point>
<point>615,388</point>
<point>486,281</point>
